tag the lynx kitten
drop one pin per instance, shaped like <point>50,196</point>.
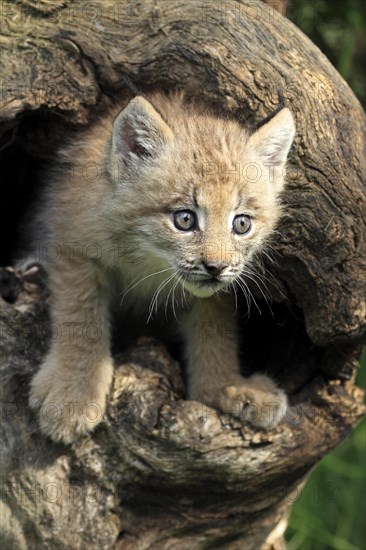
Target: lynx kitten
<point>157,201</point>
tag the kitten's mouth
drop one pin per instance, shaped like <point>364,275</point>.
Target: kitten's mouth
<point>204,287</point>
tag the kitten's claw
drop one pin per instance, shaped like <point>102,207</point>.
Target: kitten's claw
<point>62,419</point>
<point>260,408</point>
<point>256,400</point>
<point>65,410</point>
<point>31,271</point>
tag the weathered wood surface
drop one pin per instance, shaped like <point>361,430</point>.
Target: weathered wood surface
<point>162,472</point>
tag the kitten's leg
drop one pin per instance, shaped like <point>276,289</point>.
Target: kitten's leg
<point>69,390</point>
<point>213,366</point>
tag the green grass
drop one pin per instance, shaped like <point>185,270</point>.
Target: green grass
<point>331,510</point>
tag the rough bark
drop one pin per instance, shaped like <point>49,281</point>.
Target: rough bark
<point>162,472</point>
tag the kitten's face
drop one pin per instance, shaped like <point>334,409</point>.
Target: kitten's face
<point>203,194</point>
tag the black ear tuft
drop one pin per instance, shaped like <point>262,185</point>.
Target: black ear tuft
<point>281,105</point>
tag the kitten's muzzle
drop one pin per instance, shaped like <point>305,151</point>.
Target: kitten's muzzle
<point>209,274</point>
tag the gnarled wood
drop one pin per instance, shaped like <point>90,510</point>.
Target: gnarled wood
<point>162,472</point>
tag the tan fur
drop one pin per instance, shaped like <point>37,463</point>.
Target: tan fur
<point>108,213</point>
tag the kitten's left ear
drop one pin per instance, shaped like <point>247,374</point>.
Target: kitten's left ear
<point>272,141</point>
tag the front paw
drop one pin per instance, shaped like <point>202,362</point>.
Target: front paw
<point>256,400</point>
<point>69,404</point>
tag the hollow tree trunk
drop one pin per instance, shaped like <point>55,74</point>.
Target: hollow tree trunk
<point>162,472</point>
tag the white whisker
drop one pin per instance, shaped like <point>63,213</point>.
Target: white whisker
<point>262,277</point>
<point>232,285</point>
<point>240,278</point>
<point>253,276</point>
<point>243,287</point>
<point>131,286</point>
<point>154,299</point>
<point>171,292</point>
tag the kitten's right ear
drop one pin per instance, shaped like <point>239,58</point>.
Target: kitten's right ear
<point>272,141</point>
<point>139,131</point>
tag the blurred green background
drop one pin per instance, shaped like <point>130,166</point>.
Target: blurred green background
<point>338,28</point>
<point>330,513</point>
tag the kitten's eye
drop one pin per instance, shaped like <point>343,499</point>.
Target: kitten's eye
<point>185,220</point>
<point>242,224</point>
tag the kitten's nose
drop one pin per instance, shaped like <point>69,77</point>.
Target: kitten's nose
<point>214,268</point>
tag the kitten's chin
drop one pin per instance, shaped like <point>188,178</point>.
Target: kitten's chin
<point>203,291</point>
